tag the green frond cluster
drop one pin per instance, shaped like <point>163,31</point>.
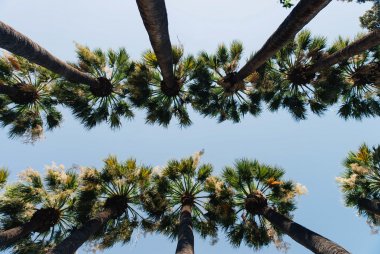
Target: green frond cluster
<point>178,184</point>
<point>252,187</point>
<point>214,93</point>
<point>27,104</point>
<point>107,101</point>
<point>360,77</point>
<point>116,186</point>
<point>361,179</point>
<point>29,200</point>
<point>160,102</point>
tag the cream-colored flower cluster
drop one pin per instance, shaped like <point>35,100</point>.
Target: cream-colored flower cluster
<point>197,157</point>
<point>28,175</point>
<point>347,182</point>
<point>360,170</point>
<point>213,183</point>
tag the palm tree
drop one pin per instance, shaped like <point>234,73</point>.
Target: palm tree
<point>107,102</point>
<point>360,183</point>
<point>212,97</point>
<point>26,101</point>
<point>176,202</point>
<point>302,13</point>
<point>290,86</point>
<point>163,104</point>
<point>155,18</point>
<point>360,76</point>
<point>18,44</point>
<point>37,210</point>
<point>107,205</point>
<point>263,203</point>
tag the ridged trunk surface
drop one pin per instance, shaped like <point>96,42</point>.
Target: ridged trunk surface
<point>155,18</point>
<point>78,237</point>
<point>309,239</point>
<point>370,40</point>
<point>372,206</point>
<point>300,16</point>
<point>20,45</point>
<point>11,236</point>
<point>185,243</point>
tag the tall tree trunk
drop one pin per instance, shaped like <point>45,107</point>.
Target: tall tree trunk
<point>155,18</point>
<point>11,236</point>
<point>372,206</point>
<point>309,239</point>
<point>79,236</point>
<point>302,13</point>
<point>370,40</point>
<point>185,243</point>
<point>20,45</point>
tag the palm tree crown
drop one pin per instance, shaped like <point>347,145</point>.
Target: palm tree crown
<point>256,186</point>
<point>46,202</point>
<point>26,101</point>
<point>117,187</point>
<point>105,100</point>
<point>179,184</point>
<point>163,102</point>
<point>361,181</point>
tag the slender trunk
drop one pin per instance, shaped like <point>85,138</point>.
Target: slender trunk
<point>302,13</point>
<point>185,243</point>
<point>370,40</point>
<point>79,236</point>
<point>21,45</point>
<point>11,236</point>
<point>372,206</point>
<point>155,18</point>
<point>309,239</point>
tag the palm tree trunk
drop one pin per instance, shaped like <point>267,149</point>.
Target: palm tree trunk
<point>372,206</point>
<point>302,13</point>
<point>79,236</point>
<point>21,45</point>
<point>309,239</point>
<point>155,18</point>
<point>11,236</point>
<point>185,243</point>
<point>371,40</point>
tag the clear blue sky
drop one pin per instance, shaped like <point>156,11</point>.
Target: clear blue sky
<point>311,151</point>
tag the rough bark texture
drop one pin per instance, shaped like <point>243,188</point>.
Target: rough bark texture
<point>185,243</point>
<point>302,13</point>
<point>372,206</point>
<point>371,40</point>
<point>78,237</point>
<point>309,239</point>
<point>21,45</point>
<point>155,18</point>
<point>11,236</point>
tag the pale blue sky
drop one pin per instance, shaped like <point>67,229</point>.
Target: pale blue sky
<point>311,151</point>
